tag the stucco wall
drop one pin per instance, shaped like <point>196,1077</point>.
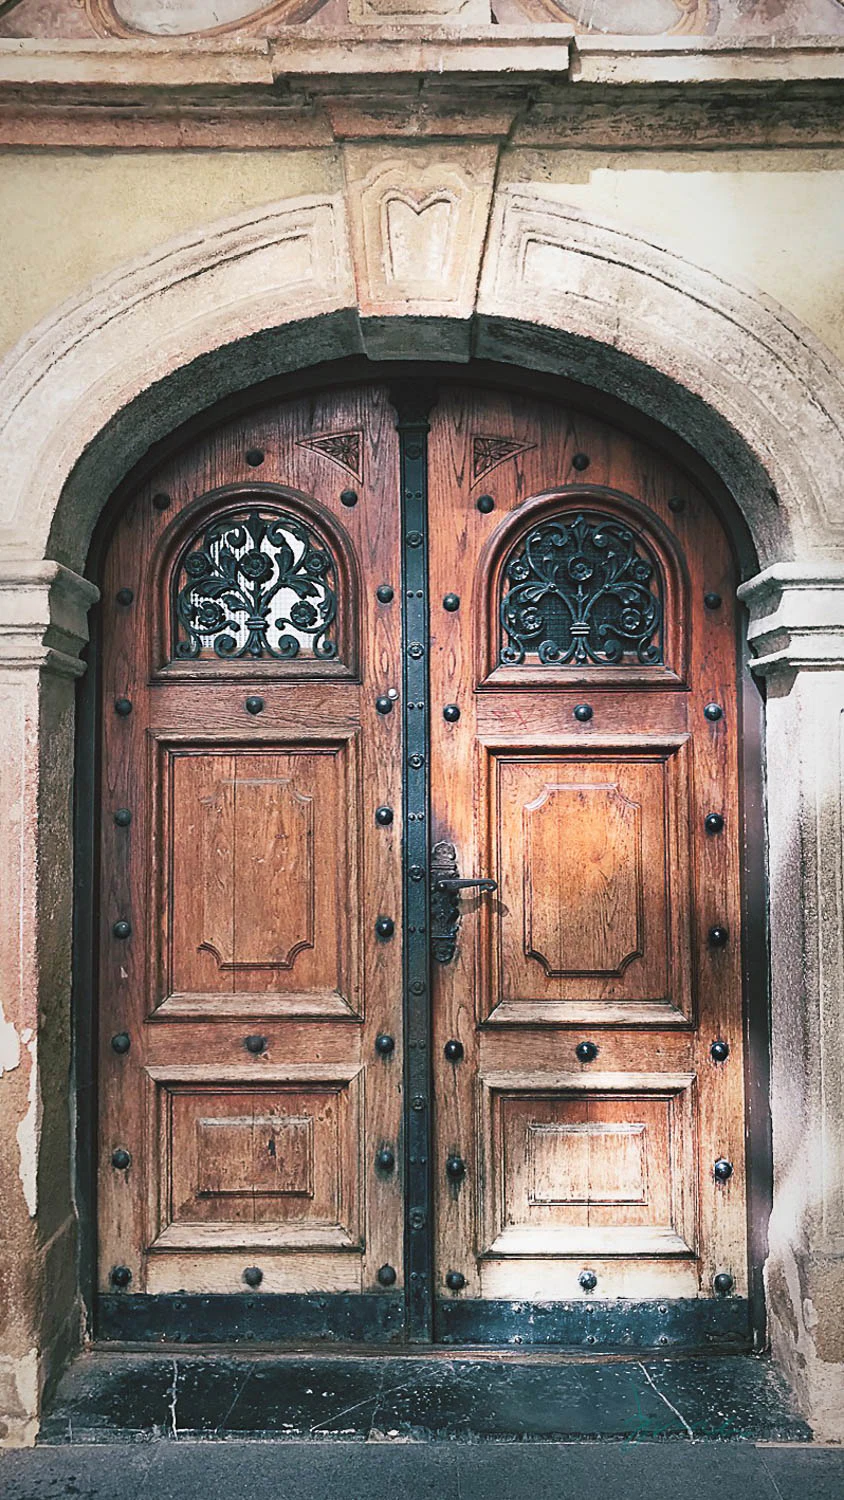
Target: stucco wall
<point>773,218</point>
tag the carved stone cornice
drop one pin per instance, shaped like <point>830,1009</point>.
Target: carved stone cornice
<point>311,86</point>
<point>796,617</point>
<point>43,617</point>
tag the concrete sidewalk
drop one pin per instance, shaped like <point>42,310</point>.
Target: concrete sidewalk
<point>671,1470</point>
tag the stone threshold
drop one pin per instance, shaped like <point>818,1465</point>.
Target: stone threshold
<point>109,1396</point>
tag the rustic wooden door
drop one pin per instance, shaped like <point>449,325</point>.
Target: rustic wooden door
<point>584,755</point>
<point>358,648</point>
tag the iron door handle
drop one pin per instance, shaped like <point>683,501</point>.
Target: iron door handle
<point>450,883</point>
<point>445,905</point>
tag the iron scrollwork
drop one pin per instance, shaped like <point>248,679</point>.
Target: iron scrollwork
<point>581,592</point>
<point>257,585</point>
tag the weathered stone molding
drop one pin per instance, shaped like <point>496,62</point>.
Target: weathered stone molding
<point>796,618</point>
<point>43,617</point>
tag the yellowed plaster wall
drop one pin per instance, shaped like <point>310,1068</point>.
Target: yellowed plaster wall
<point>775,219</point>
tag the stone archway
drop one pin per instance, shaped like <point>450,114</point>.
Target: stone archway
<point>420,260</point>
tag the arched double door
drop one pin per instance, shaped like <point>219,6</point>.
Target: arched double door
<point>420,990</point>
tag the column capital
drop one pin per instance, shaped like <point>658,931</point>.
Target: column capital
<point>43,616</point>
<point>796,617</point>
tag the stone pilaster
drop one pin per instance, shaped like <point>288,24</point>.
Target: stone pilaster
<point>42,628</point>
<point>797,635</point>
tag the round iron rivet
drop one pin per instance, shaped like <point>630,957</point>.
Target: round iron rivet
<point>455,1168</point>
<point>417,1219</point>
<point>414,539</point>
<point>723,1169</point>
<point>723,1283</point>
<point>416,872</point>
<point>348,498</point>
<point>383,704</point>
<point>386,1275</point>
<point>719,1051</point>
<point>580,462</point>
<point>123,817</point>
<point>416,761</point>
<point>161,501</point>
<point>254,457</point>
<point>255,1044</point>
<point>385,1045</point>
<point>588,1280</point>
<point>385,927</point>
<point>417,987</point>
<point>451,602</point>
<point>384,594</point>
<point>417,1103</point>
<point>451,713</point>
<point>121,1276</point>
<point>455,1281</point>
<point>583,712</point>
<point>124,596</point>
<point>713,823</point>
<point>676,503</point>
<point>719,937</point>
<point>712,601</point>
<point>713,712</point>
<point>384,816</point>
<point>385,1159</point>
<point>121,1043</point>
<point>120,1159</point>
<point>122,929</point>
<point>123,707</point>
<point>416,650</point>
<point>254,704</point>
<point>253,1276</point>
<point>453,1051</point>
<point>586,1052</point>
<point>485,504</point>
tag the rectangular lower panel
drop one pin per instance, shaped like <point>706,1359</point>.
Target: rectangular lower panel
<point>255,1317</point>
<point>683,1322</point>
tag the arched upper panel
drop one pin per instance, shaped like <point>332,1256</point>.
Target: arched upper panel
<point>583,584</point>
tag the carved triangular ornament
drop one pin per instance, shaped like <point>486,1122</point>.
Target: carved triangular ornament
<point>489,451</point>
<point>342,448</point>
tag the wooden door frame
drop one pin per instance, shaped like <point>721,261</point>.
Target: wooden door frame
<point>756,963</point>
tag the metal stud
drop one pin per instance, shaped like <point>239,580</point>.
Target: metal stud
<point>255,1044</point>
<point>384,928</point>
<point>122,929</point>
<point>453,1051</point>
<point>588,1280</point>
<point>485,504</point>
<point>385,1159</point>
<point>719,1051</point>
<point>123,707</point>
<point>161,501</point>
<point>385,1045</point>
<point>723,1169</point>
<point>386,1275</point>
<point>712,601</point>
<point>123,817</point>
<point>384,816</point>
<point>415,539</point>
<point>580,462</point>
<point>723,1283</point>
<point>254,457</point>
<point>121,1276</point>
<point>719,937</point>
<point>586,1052</point>
<point>124,596</point>
<point>713,712</point>
<point>254,704</point>
<point>349,498</point>
<point>384,594</point>
<point>583,712</point>
<point>455,1168</point>
<point>451,713</point>
<point>451,602</point>
<point>121,1043</point>
<point>383,704</point>
<point>455,1281</point>
<point>713,823</point>
<point>120,1158</point>
<point>253,1276</point>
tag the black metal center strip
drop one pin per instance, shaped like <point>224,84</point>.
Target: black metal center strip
<point>413,403</point>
